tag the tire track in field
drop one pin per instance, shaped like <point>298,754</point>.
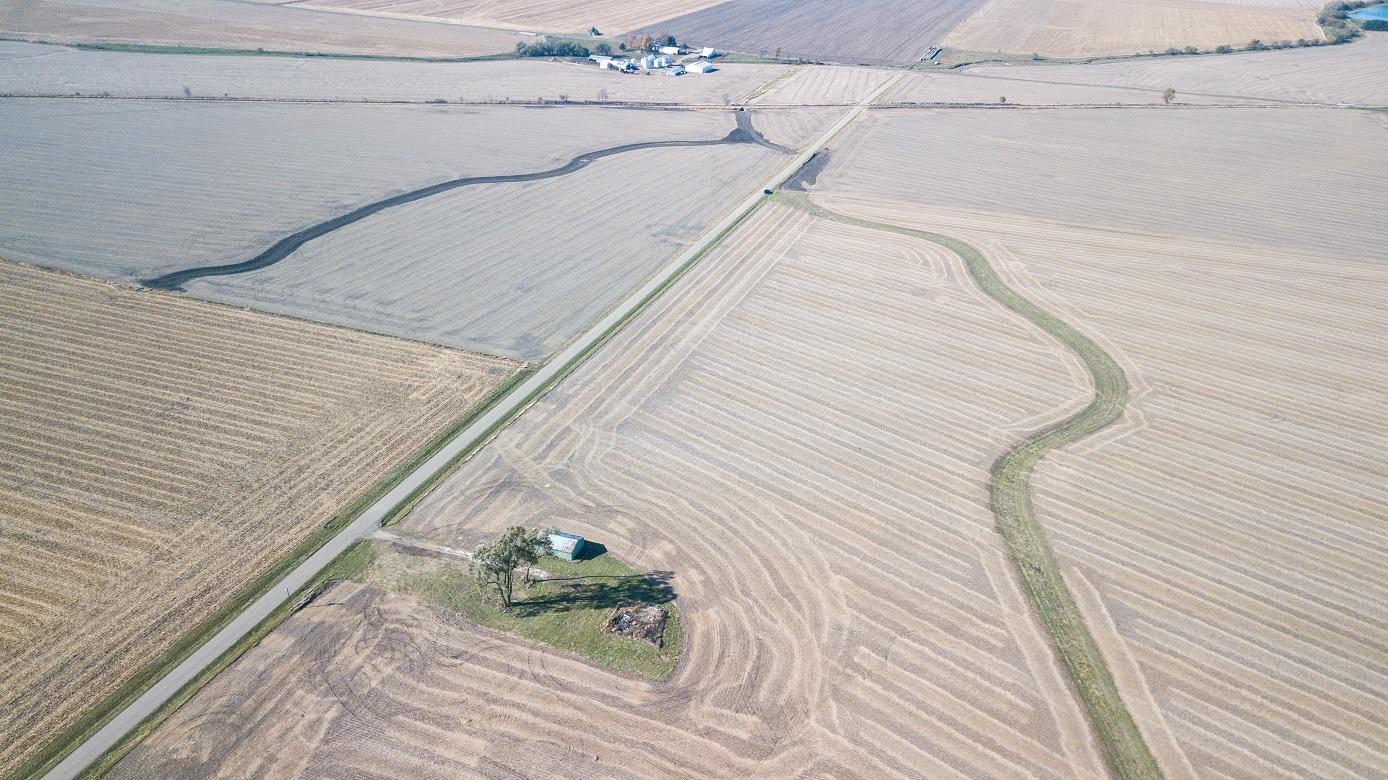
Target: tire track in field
<point>1010,491</point>
<point>743,133</point>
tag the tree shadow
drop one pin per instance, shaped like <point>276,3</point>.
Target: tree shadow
<point>598,592</point>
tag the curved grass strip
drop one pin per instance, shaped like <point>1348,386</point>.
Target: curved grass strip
<point>1126,752</point>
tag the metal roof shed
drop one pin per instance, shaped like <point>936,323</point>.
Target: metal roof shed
<point>566,546</point>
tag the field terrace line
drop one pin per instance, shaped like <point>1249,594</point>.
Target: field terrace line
<point>743,133</point>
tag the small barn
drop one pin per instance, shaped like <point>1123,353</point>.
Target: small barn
<point>675,70</point>
<point>708,53</point>
<point>566,546</point>
<point>700,67</point>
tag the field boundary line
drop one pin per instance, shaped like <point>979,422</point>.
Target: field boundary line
<point>1124,748</point>
<point>98,750</point>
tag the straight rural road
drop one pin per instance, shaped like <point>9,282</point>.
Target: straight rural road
<point>370,520</point>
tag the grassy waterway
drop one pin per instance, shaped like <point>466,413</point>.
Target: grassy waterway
<point>1124,748</point>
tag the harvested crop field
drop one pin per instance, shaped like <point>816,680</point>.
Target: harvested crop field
<point>871,32</point>
<point>1079,28</point>
<point>1349,73</point>
<point>975,87</point>
<point>514,269</point>
<point>129,190</point>
<point>162,452</point>
<point>249,26</point>
<point>612,17</point>
<point>33,69</point>
<point>794,128</point>
<point>801,432</point>
<point>1232,175</point>
<point>1224,540</point>
<point>822,84</point>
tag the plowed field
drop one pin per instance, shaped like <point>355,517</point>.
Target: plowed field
<point>160,453</point>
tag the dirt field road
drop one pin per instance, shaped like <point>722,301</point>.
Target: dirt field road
<point>484,426</point>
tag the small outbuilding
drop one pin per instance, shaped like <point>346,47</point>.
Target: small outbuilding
<point>566,546</point>
<point>673,51</point>
<point>708,53</point>
<point>675,70</point>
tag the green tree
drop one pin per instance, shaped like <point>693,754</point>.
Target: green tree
<point>495,564</point>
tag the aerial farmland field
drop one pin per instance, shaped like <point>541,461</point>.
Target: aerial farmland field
<point>447,269</point>
<point>154,200</point>
<point>971,415</point>
<point>515,269</point>
<point>1329,74</point>
<point>818,84</point>
<point>612,17</point>
<point>886,634</point>
<point>1081,28</point>
<point>873,32</point>
<point>1222,538</point>
<point>160,454</point>
<point>242,26</point>
<point>1227,175</point>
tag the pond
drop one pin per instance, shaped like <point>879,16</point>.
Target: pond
<point>1372,12</point>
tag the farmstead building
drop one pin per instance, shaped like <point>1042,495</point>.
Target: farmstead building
<point>566,546</point>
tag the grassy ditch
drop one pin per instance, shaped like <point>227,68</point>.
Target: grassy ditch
<point>566,612</point>
<point>97,716</point>
<point>348,565</point>
<point>1124,748</point>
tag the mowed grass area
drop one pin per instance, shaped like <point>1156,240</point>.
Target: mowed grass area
<point>163,454</point>
<point>567,612</point>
